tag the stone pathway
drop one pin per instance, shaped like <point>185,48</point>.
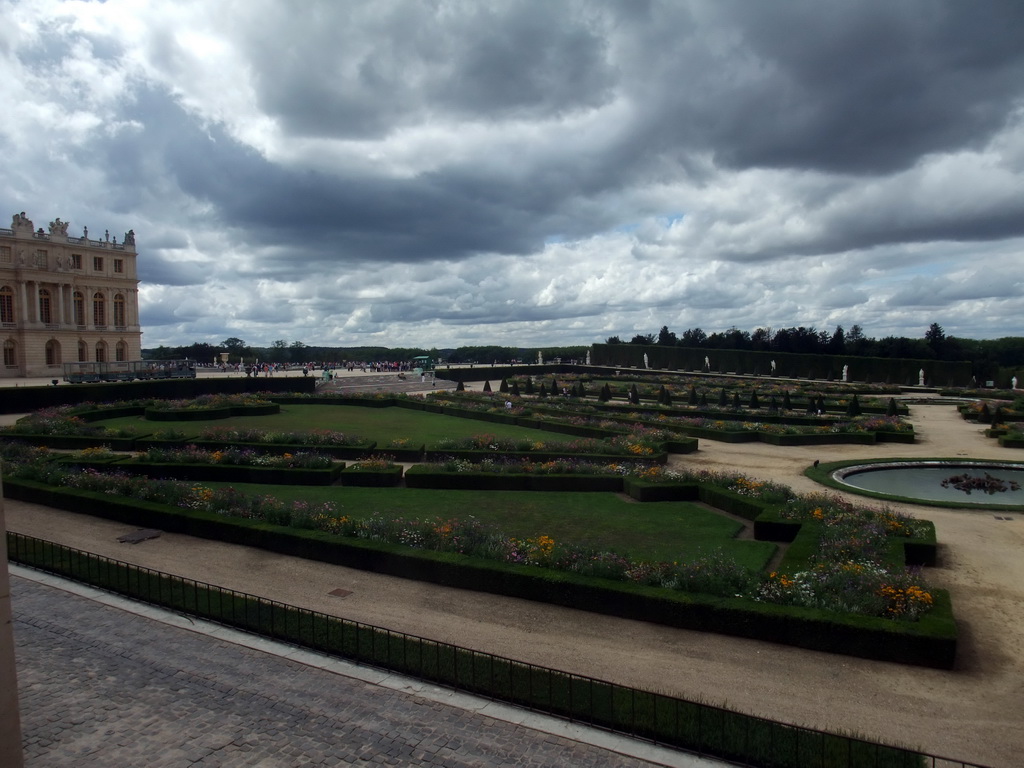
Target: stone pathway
<point>100,686</point>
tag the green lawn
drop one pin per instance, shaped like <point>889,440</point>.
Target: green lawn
<point>650,531</point>
<point>379,424</point>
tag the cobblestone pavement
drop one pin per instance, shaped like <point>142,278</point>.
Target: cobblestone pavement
<point>100,686</point>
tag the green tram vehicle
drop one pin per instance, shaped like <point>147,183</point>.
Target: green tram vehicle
<point>423,363</point>
<point>128,370</point>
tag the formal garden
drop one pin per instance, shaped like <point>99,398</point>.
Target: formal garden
<point>563,498</point>
<point>570,491</point>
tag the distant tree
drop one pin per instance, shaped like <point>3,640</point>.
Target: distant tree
<point>936,338</point>
<point>693,337</point>
<point>855,341</point>
<point>666,338</point>
<point>643,338</point>
<point>837,344</point>
<point>613,340</point>
<point>761,339</point>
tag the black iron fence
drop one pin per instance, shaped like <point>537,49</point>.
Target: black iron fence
<point>700,729</point>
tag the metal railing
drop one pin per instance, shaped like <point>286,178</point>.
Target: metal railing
<point>701,729</point>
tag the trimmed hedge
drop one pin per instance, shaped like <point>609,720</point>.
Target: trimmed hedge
<point>428,477</point>
<point>477,456</point>
<point>208,414</point>
<point>350,452</point>
<point>219,473</point>
<point>371,478</point>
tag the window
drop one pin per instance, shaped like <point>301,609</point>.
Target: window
<point>83,352</point>
<point>45,310</point>
<point>119,266</point>
<point>97,263</point>
<point>76,261</point>
<point>41,259</point>
<point>121,352</point>
<point>10,353</point>
<point>99,310</point>
<point>119,310</point>
<point>5,254</point>
<point>101,352</point>
<point>6,304</point>
<point>78,307</point>
<point>52,352</point>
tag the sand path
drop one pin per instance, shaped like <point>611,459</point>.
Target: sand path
<point>971,713</point>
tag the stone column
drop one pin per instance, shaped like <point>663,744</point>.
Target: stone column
<point>10,719</point>
<point>26,309</point>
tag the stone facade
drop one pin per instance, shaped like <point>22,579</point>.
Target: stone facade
<point>65,299</point>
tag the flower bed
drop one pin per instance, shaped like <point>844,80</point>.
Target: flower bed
<point>376,472</point>
<point>929,641</point>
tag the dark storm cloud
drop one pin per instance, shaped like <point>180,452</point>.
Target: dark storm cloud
<point>363,71</point>
<point>856,88</point>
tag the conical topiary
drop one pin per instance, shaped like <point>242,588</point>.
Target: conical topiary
<point>515,389</point>
<point>736,400</point>
<point>723,399</point>
<point>606,394</point>
<point>703,400</point>
<point>821,403</point>
<point>487,386</point>
<point>772,405</point>
<point>693,396</point>
<point>634,395</point>
<point>785,400</point>
<point>554,388</point>
<point>503,387</point>
<point>529,385</point>
<point>853,409</point>
<point>754,403</point>
<point>893,409</point>
<point>460,387</point>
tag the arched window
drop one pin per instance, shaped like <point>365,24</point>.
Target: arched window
<point>10,353</point>
<point>6,304</point>
<point>45,310</point>
<point>53,352</point>
<point>99,309</point>
<point>101,352</point>
<point>119,313</point>
<point>121,352</point>
<point>78,306</point>
<point>83,352</point>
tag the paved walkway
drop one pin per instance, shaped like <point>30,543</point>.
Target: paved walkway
<point>108,682</point>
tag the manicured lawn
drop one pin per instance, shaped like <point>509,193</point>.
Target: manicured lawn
<point>379,424</point>
<point>650,531</point>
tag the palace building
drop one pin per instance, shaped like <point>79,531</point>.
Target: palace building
<point>65,299</point>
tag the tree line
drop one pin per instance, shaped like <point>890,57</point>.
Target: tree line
<point>295,352</point>
<point>986,355</point>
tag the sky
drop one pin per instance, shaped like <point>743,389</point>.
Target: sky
<point>526,173</point>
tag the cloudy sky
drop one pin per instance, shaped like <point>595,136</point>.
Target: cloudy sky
<point>530,173</point>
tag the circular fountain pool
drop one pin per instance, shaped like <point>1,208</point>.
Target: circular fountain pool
<point>959,483</point>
